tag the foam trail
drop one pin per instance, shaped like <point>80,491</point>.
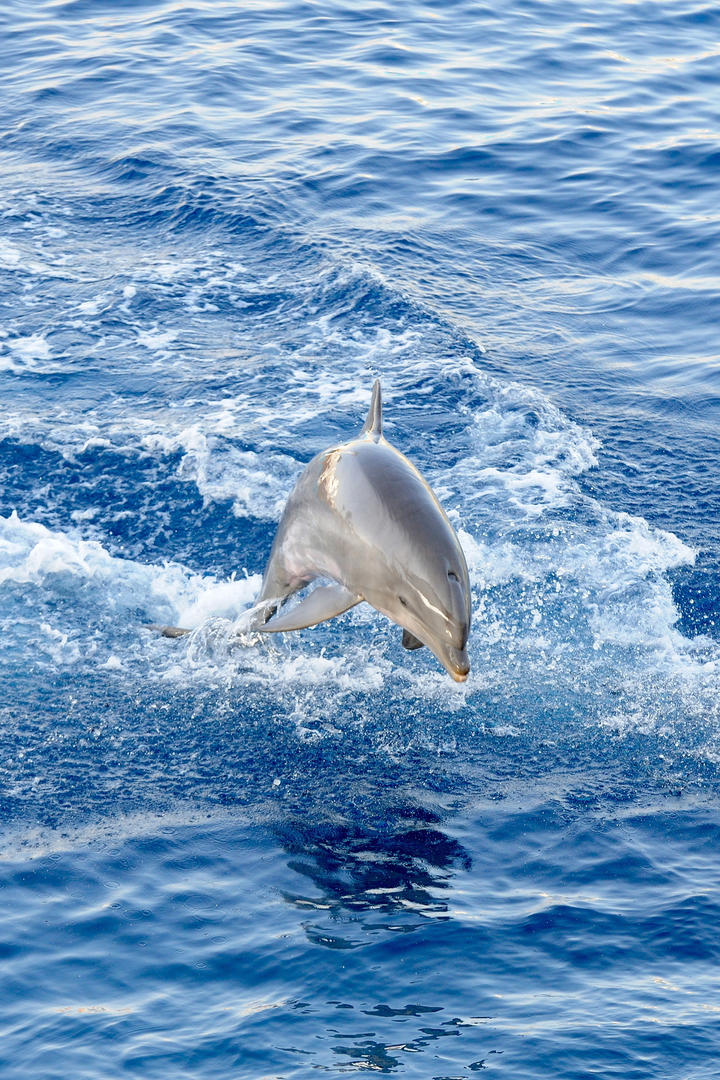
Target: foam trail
<point>32,554</point>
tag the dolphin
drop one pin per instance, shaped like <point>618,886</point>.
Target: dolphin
<point>362,516</point>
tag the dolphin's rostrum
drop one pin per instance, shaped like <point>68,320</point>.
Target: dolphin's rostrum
<point>362,515</point>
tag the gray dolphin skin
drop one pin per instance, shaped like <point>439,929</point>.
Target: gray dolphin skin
<point>362,515</point>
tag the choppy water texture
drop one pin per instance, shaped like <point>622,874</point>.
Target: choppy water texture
<point>318,855</point>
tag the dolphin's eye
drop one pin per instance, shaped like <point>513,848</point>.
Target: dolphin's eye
<point>403,601</point>
<point>453,576</point>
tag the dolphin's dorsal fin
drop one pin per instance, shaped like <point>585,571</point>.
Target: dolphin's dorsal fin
<point>373,424</point>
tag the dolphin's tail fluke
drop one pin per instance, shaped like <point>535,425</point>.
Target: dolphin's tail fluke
<point>169,631</point>
<point>373,424</point>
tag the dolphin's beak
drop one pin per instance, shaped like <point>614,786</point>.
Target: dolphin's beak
<point>455,661</point>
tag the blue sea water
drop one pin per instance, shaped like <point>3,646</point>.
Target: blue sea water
<point>317,855</point>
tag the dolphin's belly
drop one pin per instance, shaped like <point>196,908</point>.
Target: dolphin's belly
<point>314,544</point>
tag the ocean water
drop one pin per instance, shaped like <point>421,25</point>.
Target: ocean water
<point>316,855</point>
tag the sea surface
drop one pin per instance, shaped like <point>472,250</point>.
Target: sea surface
<point>316,855</point>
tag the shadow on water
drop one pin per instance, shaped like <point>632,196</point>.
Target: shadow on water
<point>361,884</point>
<point>401,867</point>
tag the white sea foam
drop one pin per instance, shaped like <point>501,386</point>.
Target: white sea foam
<point>155,339</point>
<point>91,307</point>
<point>256,484</point>
<point>9,254</point>
<point>20,354</point>
<point>30,553</point>
<point>224,599</point>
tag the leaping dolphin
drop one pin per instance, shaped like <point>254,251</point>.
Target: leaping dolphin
<point>362,515</point>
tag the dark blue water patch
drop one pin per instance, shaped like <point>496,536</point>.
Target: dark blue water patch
<point>135,503</point>
<point>695,593</point>
<point>665,504</point>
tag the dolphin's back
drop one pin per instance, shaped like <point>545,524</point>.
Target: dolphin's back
<point>374,485</point>
<point>391,527</point>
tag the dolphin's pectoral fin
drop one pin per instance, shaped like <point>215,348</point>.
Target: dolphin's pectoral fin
<point>321,604</point>
<point>410,641</point>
